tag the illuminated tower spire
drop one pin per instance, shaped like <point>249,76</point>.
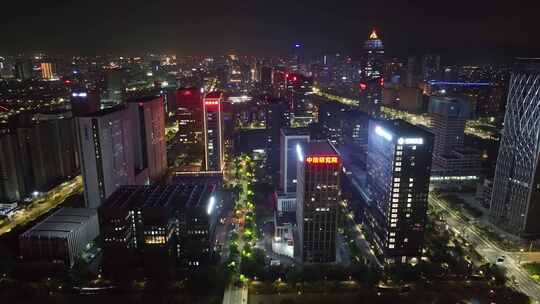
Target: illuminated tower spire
<point>373,34</point>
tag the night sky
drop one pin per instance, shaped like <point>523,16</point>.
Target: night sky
<point>461,29</point>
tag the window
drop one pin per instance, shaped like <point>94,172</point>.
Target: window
<point>391,246</point>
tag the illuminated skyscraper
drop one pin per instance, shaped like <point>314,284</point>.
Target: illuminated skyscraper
<point>372,78</point>
<point>213,131</point>
<point>515,202</point>
<point>317,207</point>
<point>47,71</point>
<point>398,173</point>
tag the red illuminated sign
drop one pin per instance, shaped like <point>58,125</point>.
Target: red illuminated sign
<point>382,82</point>
<point>363,86</point>
<point>322,160</point>
<point>187,93</point>
<point>211,102</point>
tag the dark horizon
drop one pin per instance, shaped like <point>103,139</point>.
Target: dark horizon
<point>462,31</point>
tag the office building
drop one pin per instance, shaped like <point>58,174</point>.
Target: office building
<point>23,69</point>
<point>292,139</point>
<point>61,237</point>
<point>47,71</point>
<point>299,96</point>
<point>452,161</point>
<point>213,131</point>
<point>516,186</point>
<point>189,114</point>
<point>159,227</point>
<point>317,206</point>
<point>372,78</point>
<point>277,117</point>
<point>148,138</point>
<point>398,174</point>
<point>106,153</point>
<point>431,67</point>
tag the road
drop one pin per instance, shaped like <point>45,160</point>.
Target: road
<point>235,295</point>
<point>360,240</point>
<point>489,250</point>
<point>43,204</point>
<point>473,127</point>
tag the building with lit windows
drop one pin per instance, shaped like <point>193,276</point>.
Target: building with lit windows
<point>299,95</point>
<point>515,202</point>
<point>159,227</point>
<point>106,153</point>
<point>213,131</point>
<point>189,115</point>
<point>291,141</point>
<point>47,70</point>
<point>372,78</point>
<point>148,138</point>
<point>398,174</point>
<point>317,206</point>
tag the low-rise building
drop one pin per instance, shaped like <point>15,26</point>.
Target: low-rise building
<point>61,237</point>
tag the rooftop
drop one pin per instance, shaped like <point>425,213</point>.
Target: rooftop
<point>61,223</point>
<point>400,127</point>
<point>319,148</point>
<point>106,111</point>
<point>144,99</point>
<point>295,131</point>
<point>214,95</point>
<point>184,195</point>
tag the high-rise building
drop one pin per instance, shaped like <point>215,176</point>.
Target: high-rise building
<point>398,174</point>
<point>277,117</point>
<point>106,153</point>
<point>266,77</point>
<point>515,203</point>
<point>47,70</point>
<point>431,67</point>
<point>317,205</point>
<point>299,96</point>
<point>213,131</point>
<point>372,78</point>
<point>23,69</point>
<point>189,114</point>
<point>148,138</point>
<point>452,161</point>
<point>10,185</point>
<point>292,140</point>
<point>44,150</point>
<point>115,85</point>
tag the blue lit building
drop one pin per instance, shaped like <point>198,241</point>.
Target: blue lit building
<point>398,173</point>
